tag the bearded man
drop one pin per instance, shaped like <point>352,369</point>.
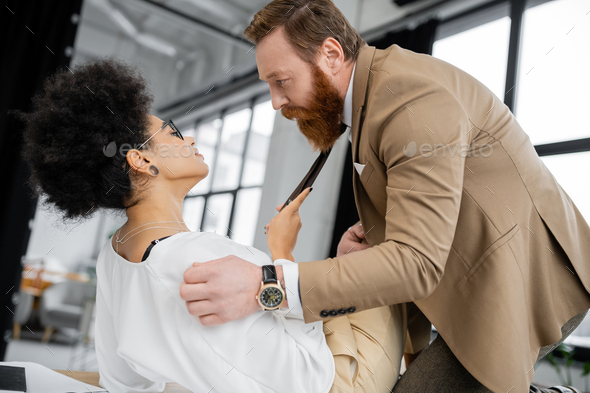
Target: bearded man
<point>482,243</point>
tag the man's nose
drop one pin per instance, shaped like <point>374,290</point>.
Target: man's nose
<point>278,100</point>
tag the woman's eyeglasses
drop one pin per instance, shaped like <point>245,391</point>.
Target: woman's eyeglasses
<point>175,130</point>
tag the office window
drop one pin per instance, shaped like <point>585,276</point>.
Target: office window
<point>553,103</point>
<point>549,93</point>
<point>257,152</point>
<point>570,171</point>
<point>235,146</point>
<point>543,78</point>
<point>193,212</point>
<point>480,51</point>
<point>228,163</point>
<point>206,136</point>
<point>247,207</point>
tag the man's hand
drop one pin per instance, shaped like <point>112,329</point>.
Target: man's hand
<point>221,290</point>
<point>351,241</point>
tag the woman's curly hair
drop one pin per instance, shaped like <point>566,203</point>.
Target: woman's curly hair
<point>75,117</point>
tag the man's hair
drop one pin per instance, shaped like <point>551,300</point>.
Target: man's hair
<point>306,25</point>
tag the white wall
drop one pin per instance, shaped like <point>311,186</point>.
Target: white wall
<point>289,159</point>
<point>69,244</point>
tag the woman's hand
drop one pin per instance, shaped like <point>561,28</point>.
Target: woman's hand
<point>284,227</point>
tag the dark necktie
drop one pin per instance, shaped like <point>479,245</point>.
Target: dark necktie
<point>313,173</point>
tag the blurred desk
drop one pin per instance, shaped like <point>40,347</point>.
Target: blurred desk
<point>91,378</point>
<point>28,285</point>
<point>35,284</point>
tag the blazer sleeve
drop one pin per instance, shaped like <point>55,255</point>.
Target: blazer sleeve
<point>423,193</point>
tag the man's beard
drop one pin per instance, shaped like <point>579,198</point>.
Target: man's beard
<point>320,123</point>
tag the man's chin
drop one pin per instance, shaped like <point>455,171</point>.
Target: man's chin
<point>320,142</point>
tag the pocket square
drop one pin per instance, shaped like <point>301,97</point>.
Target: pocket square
<point>359,168</point>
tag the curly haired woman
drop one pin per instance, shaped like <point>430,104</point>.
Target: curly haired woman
<point>145,336</point>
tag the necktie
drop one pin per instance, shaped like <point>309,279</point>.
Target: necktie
<point>313,172</point>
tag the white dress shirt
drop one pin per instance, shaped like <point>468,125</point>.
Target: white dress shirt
<point>291,270</point>
<point>145,336</point>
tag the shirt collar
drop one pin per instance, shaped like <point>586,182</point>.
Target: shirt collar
<point>347,112</point>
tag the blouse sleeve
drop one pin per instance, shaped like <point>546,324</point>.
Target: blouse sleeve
<point>263,352</point>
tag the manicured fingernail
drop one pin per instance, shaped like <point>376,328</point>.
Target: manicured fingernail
<point>311,189</point>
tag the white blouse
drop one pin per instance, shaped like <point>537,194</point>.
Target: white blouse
<point>146,337</point>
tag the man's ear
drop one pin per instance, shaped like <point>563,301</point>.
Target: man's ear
<point>138,161</point>
<point>333,54</point>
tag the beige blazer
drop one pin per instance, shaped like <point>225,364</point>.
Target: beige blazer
<point>487,245</point>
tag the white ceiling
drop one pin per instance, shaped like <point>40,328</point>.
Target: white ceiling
<point>181,57</point>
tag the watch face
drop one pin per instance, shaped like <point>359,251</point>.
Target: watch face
<point>271,297</point>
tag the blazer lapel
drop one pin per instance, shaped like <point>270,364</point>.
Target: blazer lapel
<point>359,91</point>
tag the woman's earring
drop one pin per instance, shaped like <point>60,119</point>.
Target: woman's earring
<point>154,170</point>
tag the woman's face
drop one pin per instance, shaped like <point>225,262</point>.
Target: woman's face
<point>175,158</point>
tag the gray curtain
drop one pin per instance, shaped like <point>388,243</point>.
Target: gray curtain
<point>33,45</point>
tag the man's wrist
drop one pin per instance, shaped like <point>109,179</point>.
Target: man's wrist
<point>291,277</point>
<point>281,280</point>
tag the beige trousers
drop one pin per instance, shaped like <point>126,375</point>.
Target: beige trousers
<point>368,348</point>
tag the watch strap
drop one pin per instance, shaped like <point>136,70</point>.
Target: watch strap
<point>269,274</point>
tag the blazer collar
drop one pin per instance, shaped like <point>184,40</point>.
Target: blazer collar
<point>359,91</point>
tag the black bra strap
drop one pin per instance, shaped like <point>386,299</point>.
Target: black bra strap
<point>152,244</point>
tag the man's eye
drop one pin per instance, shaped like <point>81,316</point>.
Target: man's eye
<point>177,134</point>
<point>281,82</point>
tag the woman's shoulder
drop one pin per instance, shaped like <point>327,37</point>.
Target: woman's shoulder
<point>182,250</point>
<point>208,243</point>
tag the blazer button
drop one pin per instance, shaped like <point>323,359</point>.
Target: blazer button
<point>324,313</point>
<point>342,311</point>
<point>333,313</point>
<point>352,309</point>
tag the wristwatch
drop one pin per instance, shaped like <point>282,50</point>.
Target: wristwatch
<point>271,295</point>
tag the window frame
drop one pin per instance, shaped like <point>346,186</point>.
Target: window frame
<point>221,114</point>
<point>489,12</point>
